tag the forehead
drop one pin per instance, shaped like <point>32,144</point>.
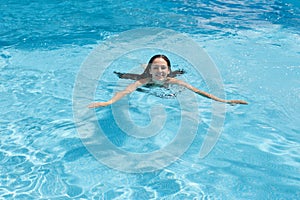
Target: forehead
<point>159,61</point>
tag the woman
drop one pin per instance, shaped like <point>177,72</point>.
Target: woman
<point>158,72</point>
<point>146,74</point>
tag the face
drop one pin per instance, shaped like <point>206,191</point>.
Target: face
<point>159,70</point>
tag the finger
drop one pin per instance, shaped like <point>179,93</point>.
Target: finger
<point>243,102</point>
<point>93,105</point>
<point>240,102</point>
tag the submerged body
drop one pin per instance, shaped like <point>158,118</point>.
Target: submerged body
<point>158,73</point>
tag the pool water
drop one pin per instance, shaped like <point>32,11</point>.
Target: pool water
<point>255,46</point>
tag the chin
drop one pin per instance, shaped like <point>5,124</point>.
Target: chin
<point>159,80</point>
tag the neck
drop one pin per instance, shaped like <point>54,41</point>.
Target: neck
<point>158,82</point>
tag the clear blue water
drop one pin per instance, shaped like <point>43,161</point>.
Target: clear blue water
<point>254,44</point>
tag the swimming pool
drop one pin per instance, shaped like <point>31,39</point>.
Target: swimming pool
<point>255,46</point>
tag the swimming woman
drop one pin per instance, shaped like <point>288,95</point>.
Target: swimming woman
<point>158,73</point>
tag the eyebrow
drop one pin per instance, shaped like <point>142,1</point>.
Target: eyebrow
<point>159,65</point>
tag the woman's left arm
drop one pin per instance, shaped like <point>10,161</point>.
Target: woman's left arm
<point>204,94</point>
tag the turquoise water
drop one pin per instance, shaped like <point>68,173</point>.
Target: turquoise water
<point>255,46</point>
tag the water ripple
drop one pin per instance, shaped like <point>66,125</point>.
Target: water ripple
<point>54,24</point>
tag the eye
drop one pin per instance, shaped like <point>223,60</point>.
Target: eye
<point>163,67</point>
<point>155,66</point>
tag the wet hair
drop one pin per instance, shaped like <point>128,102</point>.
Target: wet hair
<point>146,72</point>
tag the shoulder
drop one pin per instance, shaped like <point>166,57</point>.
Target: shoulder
<point>174,81</point>
<point>179,82</point>
<point>142,81</point>
<point>136,84</point>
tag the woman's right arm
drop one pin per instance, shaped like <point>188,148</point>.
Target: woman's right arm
<point>119,95</point>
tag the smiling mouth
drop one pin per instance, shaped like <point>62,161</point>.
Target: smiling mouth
<point>160,76</point>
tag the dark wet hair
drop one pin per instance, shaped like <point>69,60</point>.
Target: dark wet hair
<point>146,72</point>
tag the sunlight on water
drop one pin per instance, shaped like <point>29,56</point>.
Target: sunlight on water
<point>255,46</point>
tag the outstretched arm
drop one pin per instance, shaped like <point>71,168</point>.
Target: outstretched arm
<point>205,94</point>
<point>129,89</point>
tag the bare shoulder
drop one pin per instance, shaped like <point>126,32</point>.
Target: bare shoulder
<point>175,81</point>
<point>142,81</point>
<point>172,80</point>
<point>136,84</point>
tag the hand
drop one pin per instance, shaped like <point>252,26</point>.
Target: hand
<point>234,102</point>
<point>98,104</point>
